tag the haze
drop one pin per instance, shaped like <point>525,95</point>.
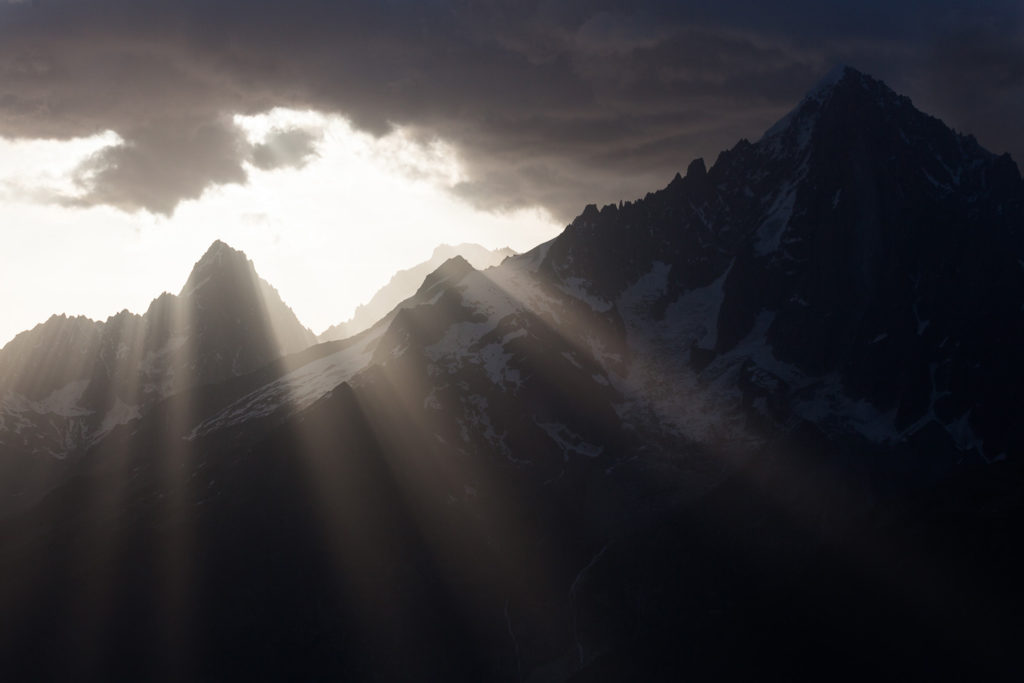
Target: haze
<point>328,230</point>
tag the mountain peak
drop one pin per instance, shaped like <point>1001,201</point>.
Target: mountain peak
<point>220,260</point>
<point>843,86</point>
<point>836,74</point>
<point>476,254</point>
<point>696,169</point>
<point>452,270</point>
<point>843,76</point>
<point>405,283</point>
<point>220,250</point>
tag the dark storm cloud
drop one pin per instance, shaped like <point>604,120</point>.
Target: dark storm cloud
<point>552,103</point>
<point>163,163</point>
<point>977,79</point>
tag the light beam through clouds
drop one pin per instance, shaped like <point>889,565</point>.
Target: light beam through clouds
<point>328,226</point>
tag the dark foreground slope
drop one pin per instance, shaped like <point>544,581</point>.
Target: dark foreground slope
<point>758,424</point>
<point>328,551</point>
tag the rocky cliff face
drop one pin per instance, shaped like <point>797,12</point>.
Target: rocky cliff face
<point>861,262</point>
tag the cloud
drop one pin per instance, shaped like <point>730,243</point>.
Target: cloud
<point>161,164</point>
<point>546,103</point>
<point>285,148</point>
<point>975,74</point>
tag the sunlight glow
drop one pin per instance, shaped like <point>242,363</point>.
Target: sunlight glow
<point>327,235</point>
<point>35,170</point>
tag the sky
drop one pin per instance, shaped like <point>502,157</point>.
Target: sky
<point>336,142</point>
<point>327,230</point>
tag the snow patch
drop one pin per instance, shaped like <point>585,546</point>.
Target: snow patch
<point>571,357</point>
<point>698,310</point>
<point>963,434</point>
<point>569,441</point>
<point>477,417</point>
<point>649,287</point>
<point>63,402</point>
<point>298,389</point>
<point>495,363</point>
<point>659,386</point>
<point>120,413</point>
<point>769,235</point>
<point>578,288</point>
<point>799,115</point>
<point>431,401</point>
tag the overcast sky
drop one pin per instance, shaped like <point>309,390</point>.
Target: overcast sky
<point>433,120</point>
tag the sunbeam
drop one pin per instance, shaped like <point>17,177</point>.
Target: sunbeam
<point>447,418</point>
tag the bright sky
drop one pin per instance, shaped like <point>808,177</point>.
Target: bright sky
<point>327,236</point>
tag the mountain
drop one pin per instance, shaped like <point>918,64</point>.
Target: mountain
<point>857,268</point>
<point>68,382</point>
<point>404,283</point>
<point>759,423</point>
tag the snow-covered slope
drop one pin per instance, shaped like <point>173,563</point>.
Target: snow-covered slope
<point>405,282</point>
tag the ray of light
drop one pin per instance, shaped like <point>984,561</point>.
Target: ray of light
<point>327,233</point>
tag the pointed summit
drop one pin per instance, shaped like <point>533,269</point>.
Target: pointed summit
<point>838,76</point>
<point>834,76</point>
<point>696,170</point>
<point>225,298</point>
<point>477,255</point>
<point>222,261</point>
<point>843,87</point>
<point>220,255</point>
<point>452,270</point>
<point>218,250</point>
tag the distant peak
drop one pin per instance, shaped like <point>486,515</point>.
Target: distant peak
<point>446,251</point>
<point>442,249</point>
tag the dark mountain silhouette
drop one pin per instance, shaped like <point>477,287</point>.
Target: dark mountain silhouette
<point>862,265</point>
<point>68,382</point>
<point>404,283</point>
<point>756,424</point>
